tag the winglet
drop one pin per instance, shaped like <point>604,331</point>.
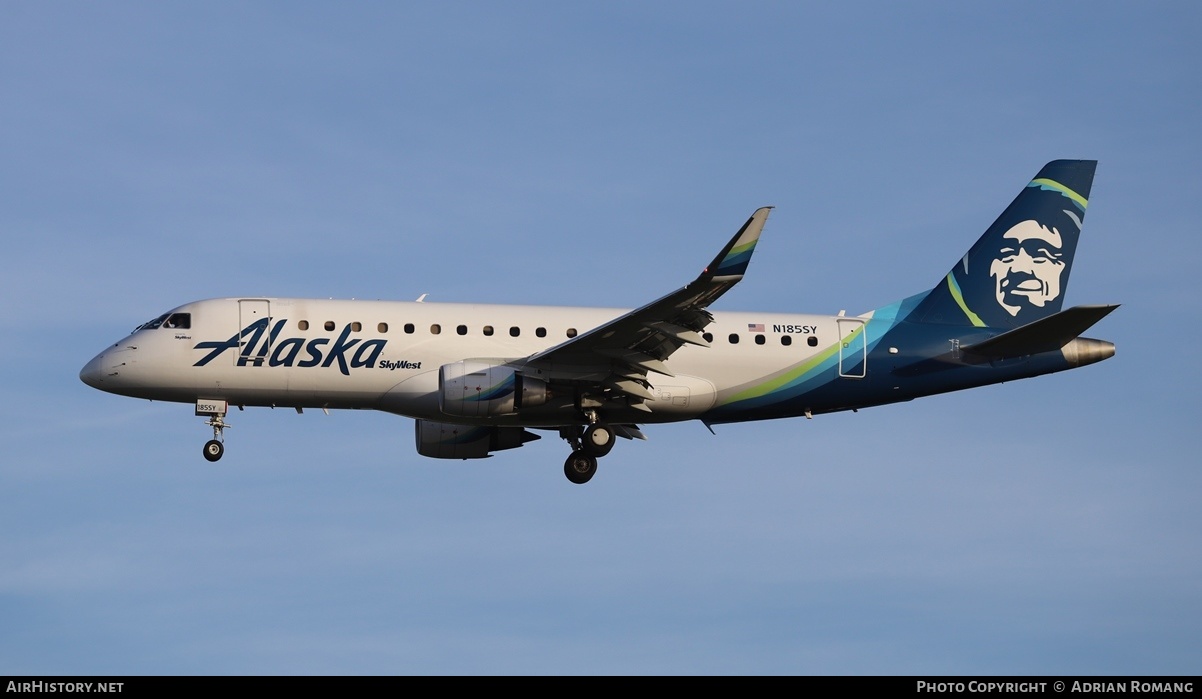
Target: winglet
<point>731,263</point>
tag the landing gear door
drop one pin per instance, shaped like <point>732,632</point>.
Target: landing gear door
<point>853,349</point>
<point>254,342</point>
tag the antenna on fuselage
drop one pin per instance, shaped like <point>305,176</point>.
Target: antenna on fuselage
<point>422,298</point>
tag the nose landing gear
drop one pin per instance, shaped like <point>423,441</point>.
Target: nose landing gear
<point>215,409</point>
<point>215,447</point>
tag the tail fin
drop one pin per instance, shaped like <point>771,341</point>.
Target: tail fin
<point>1018,271</point>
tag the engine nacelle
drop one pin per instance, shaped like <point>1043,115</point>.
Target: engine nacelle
<point>442,440</point>
<point>478,388</point>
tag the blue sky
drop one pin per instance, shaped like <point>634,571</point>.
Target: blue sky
<point>594,154</point>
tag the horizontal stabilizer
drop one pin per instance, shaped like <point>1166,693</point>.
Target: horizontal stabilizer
<point>1044,335</point>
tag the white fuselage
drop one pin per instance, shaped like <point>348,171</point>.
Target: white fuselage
<point>386,355</point>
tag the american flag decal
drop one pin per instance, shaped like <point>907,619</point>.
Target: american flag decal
<point>755,327</point>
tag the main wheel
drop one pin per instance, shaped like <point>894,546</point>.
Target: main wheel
<point>214,450</point>
<point>580,467</point>
<point>598,439</point>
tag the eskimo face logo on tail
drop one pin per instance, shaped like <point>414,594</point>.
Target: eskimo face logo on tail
<point>252,348</point>
<point>1017,272</point>
<point>1026,271</point>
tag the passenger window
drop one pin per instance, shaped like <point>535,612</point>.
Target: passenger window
<point>708,337</point>
<point>356,326</point>
<point>302,325</point>
<point>759,339</point>
<point>329,325</point>
<point>515,331</point>
<point>179,321</point>
<point>409,328</point>
<point>734,338</point>
<point>435,329</point>
<point>488,330</point>
<point>541,332</point>
<point>462,329</point>
<point>571,332</point>
<point>786,340</point>
<point>812,341</point>
<point>382,327</point>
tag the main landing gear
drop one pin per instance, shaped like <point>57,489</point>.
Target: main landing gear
<point>588,444</point>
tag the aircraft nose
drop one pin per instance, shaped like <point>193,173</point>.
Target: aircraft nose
<point>93,372</point>
<point>112,369</point>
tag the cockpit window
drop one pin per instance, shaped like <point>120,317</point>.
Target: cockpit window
<point>178,321</point>
<point>151,325</point>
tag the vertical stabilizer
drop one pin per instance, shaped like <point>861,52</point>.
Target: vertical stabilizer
<point>1018,271</point>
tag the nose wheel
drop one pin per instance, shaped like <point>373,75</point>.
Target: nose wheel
<point>215,447</point>
<point>213,450</point>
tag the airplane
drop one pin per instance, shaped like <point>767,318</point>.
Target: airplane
<point>481,378</point>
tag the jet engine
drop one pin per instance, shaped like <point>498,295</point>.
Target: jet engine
<point>442,440</point>
<point>477,388</point>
